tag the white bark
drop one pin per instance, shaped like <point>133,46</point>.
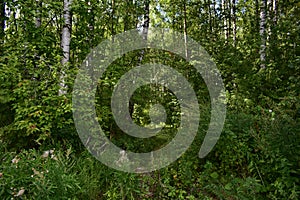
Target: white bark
<point>275,11</point>
<point>145,27</point>
<point>2,24</point>
<point>13,14</point>
<point>38,19</point>
<point>229,8</point>
<point>262,32</point>
<point>2,17</point>
<point>223,6</point>
<point>91,18</point>
<point>65,44</point>
<point>270,10</point>
<point>185,31</point>
<point>146,19</point>
<point>234,20</point>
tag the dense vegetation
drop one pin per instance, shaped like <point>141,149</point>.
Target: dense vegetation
<point>255,45</point>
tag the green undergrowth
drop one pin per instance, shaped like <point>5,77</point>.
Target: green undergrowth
<point>256,157</point>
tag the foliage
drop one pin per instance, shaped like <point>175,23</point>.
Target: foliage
<point>257,156</point>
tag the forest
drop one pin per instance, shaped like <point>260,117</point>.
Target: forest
<point>242,143</point>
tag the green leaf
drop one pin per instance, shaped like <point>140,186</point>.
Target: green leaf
<point>228,186</point>
<point>214,175</point>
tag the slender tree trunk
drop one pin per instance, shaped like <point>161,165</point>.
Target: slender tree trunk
<point>262,32</point>
<point>7,14</point>
<point>146,22</point>
<point>229,8</point>
<point>65,44</point>
<point>38,19</point>
<point>272,23</point>
<point>91,22</point>
<point>38,23</point>
<point>215,22</point>
<point>224,14</point>
<point>112,28</point>
<point>207,3</point>
<point>2,18</point>
<point>90,36</point>
<point>2,24</point>
<point>146,19</point>
<point>269,18</point>
<point>145,25</point>
<point>214,13</point>
<point>185,31</point>
<point>234,21</point>
<point>275,9</point>
<point>272,9</point>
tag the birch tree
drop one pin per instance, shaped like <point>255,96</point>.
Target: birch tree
<point>262,32</point>
<point>145,25</point>
<point>145,22</point>
<point>275,7</point>
<point>185,30</point>
<point>229,14</point>
<point>234,21</point>
<point>2,23</point>
<point>223,13</point>
<point>2,18</point>
<point>146,19</point>
<point>38,19</point>
<point>272,17</point>
<point>65,44</point>
<point>112,17</point>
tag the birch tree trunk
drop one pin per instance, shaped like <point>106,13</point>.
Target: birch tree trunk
<point>224,14</point>
<point>38,19</point>
<point>216,24</point>
<point>146,19</point>
<point>272,16</point>
<point>262,32</point>
<point>229,13</point>
<point>2,18</point>
<point>2,24</point>
<point>91,15</point>
<point>269,17</point>
<point>2,15</point>
<point>91,23</point>
<point>112,18</point>
<point>275,11</point>
<point>145,27</point>
<point>185,31</point>
<point>234,21</point>
<point>65,44</point>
